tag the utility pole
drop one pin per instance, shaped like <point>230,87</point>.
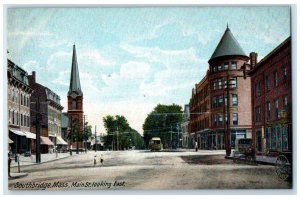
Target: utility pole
<point>95,138</point>
<point>38,117</point>
<point>71,135</point>
<point>84,134</point>
<point>117,138</point>
<point>228,147</point>
<point>77,140</point>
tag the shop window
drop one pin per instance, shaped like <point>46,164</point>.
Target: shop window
<point>268,137</point>
<point>285,137</point>
<point>233,65</point>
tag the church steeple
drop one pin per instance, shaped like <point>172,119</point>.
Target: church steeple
<point>74,80</point>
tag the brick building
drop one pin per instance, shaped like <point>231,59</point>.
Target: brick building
<point>50,110</point>
<point>18,100</point>
<point>208,104</point>
<point>272,100</point>
<point>75,100</point>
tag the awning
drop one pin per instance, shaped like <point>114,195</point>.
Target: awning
<point>30,135</point>
<point>46,141</point>
<point>60,140</point>
<point>9,141</point>
<point>20,133</point>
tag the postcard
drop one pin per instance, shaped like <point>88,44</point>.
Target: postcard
<point>149,98</point>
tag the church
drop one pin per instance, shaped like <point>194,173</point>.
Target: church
<point>75,105</point>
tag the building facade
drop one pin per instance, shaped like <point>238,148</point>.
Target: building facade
<point>50,110</point>
<point>18,97</point>
<point>223,92</point>
<point>272,100</point>
<point>75,101</point>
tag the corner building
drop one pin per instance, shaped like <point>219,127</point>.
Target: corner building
<point>208,105</point>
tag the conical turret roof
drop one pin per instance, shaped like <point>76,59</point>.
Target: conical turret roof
<point>228,45</point>
<point>74,80</point>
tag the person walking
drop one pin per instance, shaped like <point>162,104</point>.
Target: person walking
<point>196,146</point>
<point>101,159</point>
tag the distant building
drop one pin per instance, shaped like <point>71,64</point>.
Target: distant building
<point>50,109</point>
<point>18,100</point>
<point>208,104</point>
<point>185,127</point>
<point>75,100</point>
<point>272,100</point>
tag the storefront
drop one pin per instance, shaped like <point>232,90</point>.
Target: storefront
<point>22,141</point>
<point>278,137</point>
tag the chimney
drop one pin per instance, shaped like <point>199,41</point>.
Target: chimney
<point>253,59</point>
<point>33,76</point>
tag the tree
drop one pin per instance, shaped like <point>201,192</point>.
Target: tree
<point>119,133</point>
<point>162,122</point>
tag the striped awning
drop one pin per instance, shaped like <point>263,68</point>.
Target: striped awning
<point>46,141</point>
<point>20,133</point>
<point>60,141</point>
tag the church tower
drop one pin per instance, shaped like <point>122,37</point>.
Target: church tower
<point>75,100</point>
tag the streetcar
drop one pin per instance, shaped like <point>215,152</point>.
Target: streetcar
<point>155,144</point>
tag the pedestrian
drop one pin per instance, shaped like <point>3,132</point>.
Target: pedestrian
<point>101,159</point>
<point>9,162</point>
<point>196,146</point>
<point>95,159</point>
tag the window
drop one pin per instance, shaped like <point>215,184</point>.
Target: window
<point>285,102</point>
<point>220,119</point>
<point>226,65</point>
<point>268,110</point>
<point>233,82</point>
<point>13,117</point>
<point>284,73</point>
<point>268,83</point>
<point>257,89</point>
<point>220,101</point>
<point>235,119</point>
<point>220,83</point>
<point>215,84</point>
<point>233,65</point>
<point>215,69</point>
<point>275,78</point>
<point>215,119</point>
<point>234,100</point>
<point>219,68</point>
<point>276,109</point>
<point>258,114</point>
<point>9,113</point>
<point>21,122</point>
<point>214,102</point>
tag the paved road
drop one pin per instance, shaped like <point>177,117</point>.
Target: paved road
<point>148,170</point>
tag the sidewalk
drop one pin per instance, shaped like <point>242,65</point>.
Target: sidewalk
<point>17,175</point>
<point>44,158</point>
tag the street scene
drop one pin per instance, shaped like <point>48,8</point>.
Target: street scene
<point>148,170</point>
<point>163,98</point>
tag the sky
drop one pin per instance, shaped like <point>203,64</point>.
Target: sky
<point>131,59</point>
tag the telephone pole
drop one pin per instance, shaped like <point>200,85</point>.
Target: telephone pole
<point>38,117</point>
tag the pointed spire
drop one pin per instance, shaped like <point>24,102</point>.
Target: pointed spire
<point>228,45</point>
<point>74,80</point>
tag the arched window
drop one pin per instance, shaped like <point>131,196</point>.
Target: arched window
<point>74,104</point>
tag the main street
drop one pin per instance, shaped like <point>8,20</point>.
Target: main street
<point>148,170</point>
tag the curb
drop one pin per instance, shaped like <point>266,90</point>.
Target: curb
<point>17,175</point>
<point>34,163</point>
